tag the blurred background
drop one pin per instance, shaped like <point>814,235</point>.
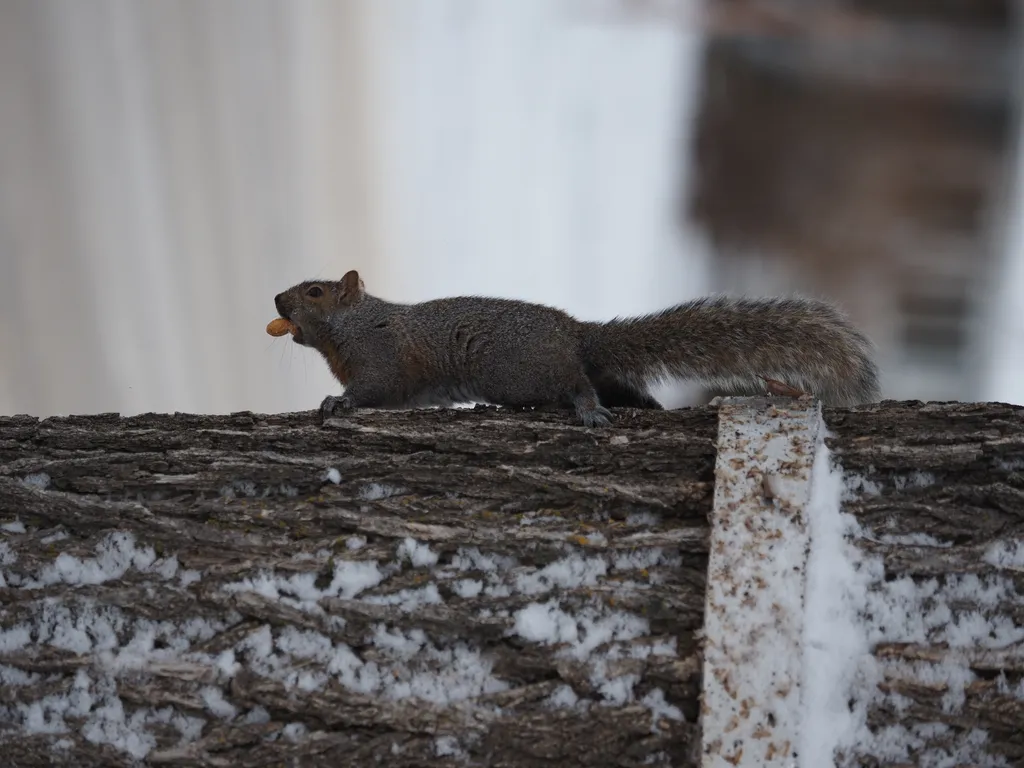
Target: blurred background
<point>167,167</point>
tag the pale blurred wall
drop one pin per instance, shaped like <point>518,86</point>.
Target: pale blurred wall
<point>537,149</point>
<point>167,167</point>
<point>999,332</point>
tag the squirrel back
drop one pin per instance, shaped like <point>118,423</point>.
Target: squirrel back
<point>516,353</point>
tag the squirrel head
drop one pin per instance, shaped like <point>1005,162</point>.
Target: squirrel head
<point>312,304</point>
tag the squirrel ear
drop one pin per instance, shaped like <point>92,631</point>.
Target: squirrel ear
<point>352,287</point>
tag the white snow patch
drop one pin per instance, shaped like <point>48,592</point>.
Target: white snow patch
<point>352,577</point>
<point>649,519</point>
<point>448,746</point>
<point>408,665</point>
<point>227,664</point>
<point>547,623</point>
<point>665,647</point>
<point>13,676</point>
<point>332,475</point>
<point>913,540</point>
<point>616,691</point>
<point>660,709</point>
<point>116,553</point>
<point>256,715</point>
<point>644,558</point>
<point>563,697</point>
<point>835,637</point>
<point>418,554</point>
<point>498,590</point>
<point>856,485</point>
<point>215,702</point>
<point>166,567</point>
<point>473,559</point>
<point>1006,554</point>
<point>39,480</point>
<point>378,491</point>
<point>106,720</point>
<point>569,572</point>
<point>15,526</point>
<point>7,555</point>
<point>300,590</point>
<point>467,588</point>
<point>15,638</point>
<point>409,599</point>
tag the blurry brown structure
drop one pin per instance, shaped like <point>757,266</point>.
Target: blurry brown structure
<point>862,147</point>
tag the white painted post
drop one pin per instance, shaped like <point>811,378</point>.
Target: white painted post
<point>750,705</point>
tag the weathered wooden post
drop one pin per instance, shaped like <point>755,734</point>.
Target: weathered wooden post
<point>754,620</point>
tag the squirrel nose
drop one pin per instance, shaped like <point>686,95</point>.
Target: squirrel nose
<point>277,303</point>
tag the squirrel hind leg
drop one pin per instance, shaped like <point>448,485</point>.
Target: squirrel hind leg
<point>588,407</point>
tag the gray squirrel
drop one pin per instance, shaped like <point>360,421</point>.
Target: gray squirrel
<point>514,353</point>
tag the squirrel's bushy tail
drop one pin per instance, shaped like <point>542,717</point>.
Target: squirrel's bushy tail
<point>731,342</point>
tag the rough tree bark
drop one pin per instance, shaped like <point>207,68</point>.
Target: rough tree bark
<point>609,527</point>
<point>954,473</point>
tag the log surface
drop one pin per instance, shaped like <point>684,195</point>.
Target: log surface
<point>604,533</point>
<point>449,587</point>
<point>938,489</point>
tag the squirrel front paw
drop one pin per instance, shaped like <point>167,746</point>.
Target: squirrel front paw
<point>331,403</point>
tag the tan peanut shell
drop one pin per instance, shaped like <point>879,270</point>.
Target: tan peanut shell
<point>279,327</point>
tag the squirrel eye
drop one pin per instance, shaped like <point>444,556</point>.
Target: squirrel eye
<point>315,292</point>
